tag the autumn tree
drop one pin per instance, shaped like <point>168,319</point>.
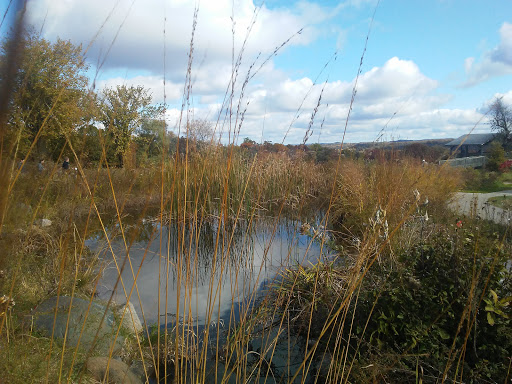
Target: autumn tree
<point>501,121</point>
<point>50,96</point>
<point>248,143</point>
<point>122,110</point>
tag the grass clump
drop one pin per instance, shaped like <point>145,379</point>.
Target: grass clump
<point>503,202</point>
<point>483,181</point>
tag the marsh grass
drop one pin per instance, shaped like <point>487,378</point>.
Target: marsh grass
<point>314,323</point>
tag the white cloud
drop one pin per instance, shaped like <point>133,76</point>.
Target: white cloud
<point>496,62</point>
<point>396,95</point>
<point>140,38</point>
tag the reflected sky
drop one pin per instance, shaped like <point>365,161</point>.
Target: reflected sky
<point>200,272</point>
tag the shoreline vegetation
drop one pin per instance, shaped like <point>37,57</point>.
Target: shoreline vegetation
<point>414,292</point>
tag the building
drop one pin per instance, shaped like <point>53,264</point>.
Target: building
<point>476,144</point>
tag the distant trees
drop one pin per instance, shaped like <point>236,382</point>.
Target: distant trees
<point>150,140</point>
<point>200,130</point>
<point>501,121</point>
<point>424,152</point>
<point>248,143</point>
<point>321,153</point>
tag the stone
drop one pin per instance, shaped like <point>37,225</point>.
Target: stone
<point>137,368</point>
<point>43,223</point>
<point>43,320</point>
<point>118,372</point>
<point>131,321</point>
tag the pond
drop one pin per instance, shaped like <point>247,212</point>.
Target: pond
<point>199,272</point>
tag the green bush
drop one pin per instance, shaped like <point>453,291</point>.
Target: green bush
<point>431,311</point>
<point>496,156</point>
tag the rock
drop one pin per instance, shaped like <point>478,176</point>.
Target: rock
<point>137,368</point>
<point>132,324</point>
<point>43,223</point>
<point>118,372</point>
<point>43,319</point>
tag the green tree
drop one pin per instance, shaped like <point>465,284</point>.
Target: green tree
<point>501,121</point>
<point>321,154</point>
<point>88,143</point>
<point>122,110</point>
<point>149,138</point>
<point>496,156</point>
<point>50,96</point>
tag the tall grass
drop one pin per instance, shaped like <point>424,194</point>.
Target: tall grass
<point>320,322</point>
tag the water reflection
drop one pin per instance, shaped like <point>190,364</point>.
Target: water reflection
<point>199,266</point>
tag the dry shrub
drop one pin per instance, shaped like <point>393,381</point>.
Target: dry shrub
<point>400,189</point>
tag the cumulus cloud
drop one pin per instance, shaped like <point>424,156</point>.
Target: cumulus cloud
<point>395,94</point>
<point>496,62</point>
<point>133,34</point>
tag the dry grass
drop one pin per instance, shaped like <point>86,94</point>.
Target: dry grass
<point>399,189</point>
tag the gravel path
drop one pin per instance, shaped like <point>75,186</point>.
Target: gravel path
<point>476,204</point>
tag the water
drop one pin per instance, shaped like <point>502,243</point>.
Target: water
<point>203,274</point>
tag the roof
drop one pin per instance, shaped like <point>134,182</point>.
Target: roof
<point>473,139</point>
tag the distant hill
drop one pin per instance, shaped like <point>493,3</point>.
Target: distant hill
<point>398,144</point>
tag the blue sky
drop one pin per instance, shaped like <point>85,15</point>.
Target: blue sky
<point>429,71</point>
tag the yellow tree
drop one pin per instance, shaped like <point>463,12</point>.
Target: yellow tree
<point>50,96</point>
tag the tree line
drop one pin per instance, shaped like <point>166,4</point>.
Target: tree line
<point>53,110</point>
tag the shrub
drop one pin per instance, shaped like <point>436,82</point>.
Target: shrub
<point>496,156</point>
<point>430,311</point>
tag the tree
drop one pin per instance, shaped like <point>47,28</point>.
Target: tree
<point>50,96</point>
<point>88,144</point>
<point>424,152</point>
<point>149,139</point>
<point>321,153</point>
<point>501,121</point>
<point>496,156</point>
<point>200,130</point>
<point>122,110</point>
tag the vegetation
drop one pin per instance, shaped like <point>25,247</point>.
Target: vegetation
<point>401,291</point>
<point>496,157</point>
<point>122,110</point>
<point>483,181</point>
<point>50,97</point>
<point>503,202</point>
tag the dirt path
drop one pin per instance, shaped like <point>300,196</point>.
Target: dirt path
<point>476,204</point>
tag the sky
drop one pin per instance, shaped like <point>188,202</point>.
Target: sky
<point>290,71</point>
